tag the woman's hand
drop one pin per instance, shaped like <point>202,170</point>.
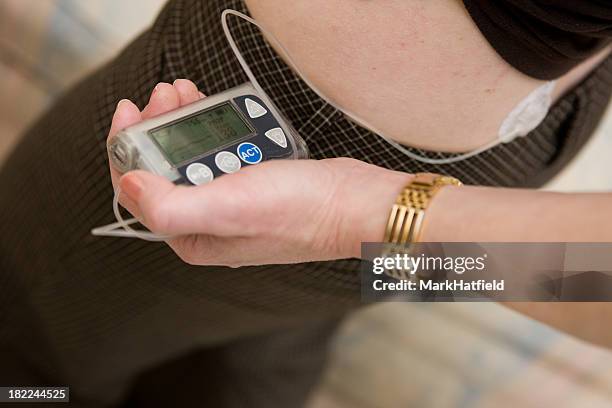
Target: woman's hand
<point>283,211</point>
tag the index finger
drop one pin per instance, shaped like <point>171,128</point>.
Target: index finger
<point>126,114</point>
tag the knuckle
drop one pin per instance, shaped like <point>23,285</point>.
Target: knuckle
<point>157,218</point>
<point>187,257</point>
<point>194,250</point>
<point>183,250</point>
<point>237,211</point>
<point>200,250</point>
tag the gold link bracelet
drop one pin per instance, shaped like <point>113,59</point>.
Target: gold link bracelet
<point>406,218</point>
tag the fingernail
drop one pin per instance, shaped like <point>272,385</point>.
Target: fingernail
<point>202,95</point>
<point>159,84</point>
<point>131,186</point>
<point>122,102</point>
<point>176,80</point>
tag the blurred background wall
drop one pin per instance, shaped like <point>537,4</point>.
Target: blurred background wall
<point>390,355</point>
<point>47,45</point>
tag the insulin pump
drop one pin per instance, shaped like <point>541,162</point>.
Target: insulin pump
<point>204,140</point>
<point>199,142</point>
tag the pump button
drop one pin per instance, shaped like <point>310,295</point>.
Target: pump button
<point>249,153</point>
<point>227,162</point>
<point>277,136</point>
<point>199,174</point>
<point>254,109</point>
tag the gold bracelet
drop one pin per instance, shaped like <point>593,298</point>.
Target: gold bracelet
<point>406,218</point>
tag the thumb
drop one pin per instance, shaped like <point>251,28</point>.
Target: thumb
<point>149,193</point>
<point>179,210</point>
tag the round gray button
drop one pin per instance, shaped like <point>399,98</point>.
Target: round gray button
<point>227,162</point>
<point>199,174</point>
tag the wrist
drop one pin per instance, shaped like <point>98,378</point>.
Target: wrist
<point>442,219</point>
<point>367,198</point>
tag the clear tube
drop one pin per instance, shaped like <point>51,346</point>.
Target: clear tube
<point>122,228</point>
<point>350,115</point>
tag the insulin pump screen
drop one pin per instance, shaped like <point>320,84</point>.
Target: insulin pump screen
<point>198,134</point>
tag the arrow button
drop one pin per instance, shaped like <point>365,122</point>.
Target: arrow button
<point>254,109</point>
<point>277,136</point>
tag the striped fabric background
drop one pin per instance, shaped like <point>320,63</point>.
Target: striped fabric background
<point>390,355</point>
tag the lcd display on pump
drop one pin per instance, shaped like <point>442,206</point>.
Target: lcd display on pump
<point>216,135</point>
<point>193,136</point>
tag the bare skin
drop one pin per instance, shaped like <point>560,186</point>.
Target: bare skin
<point>409,76</point>
<point>420,71</point>
<point>420,88</point>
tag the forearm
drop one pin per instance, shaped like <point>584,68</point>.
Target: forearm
<point>485,214</point>
<point>488,214</point>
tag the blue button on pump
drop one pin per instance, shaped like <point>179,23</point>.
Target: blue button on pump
<point>249,153</point>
